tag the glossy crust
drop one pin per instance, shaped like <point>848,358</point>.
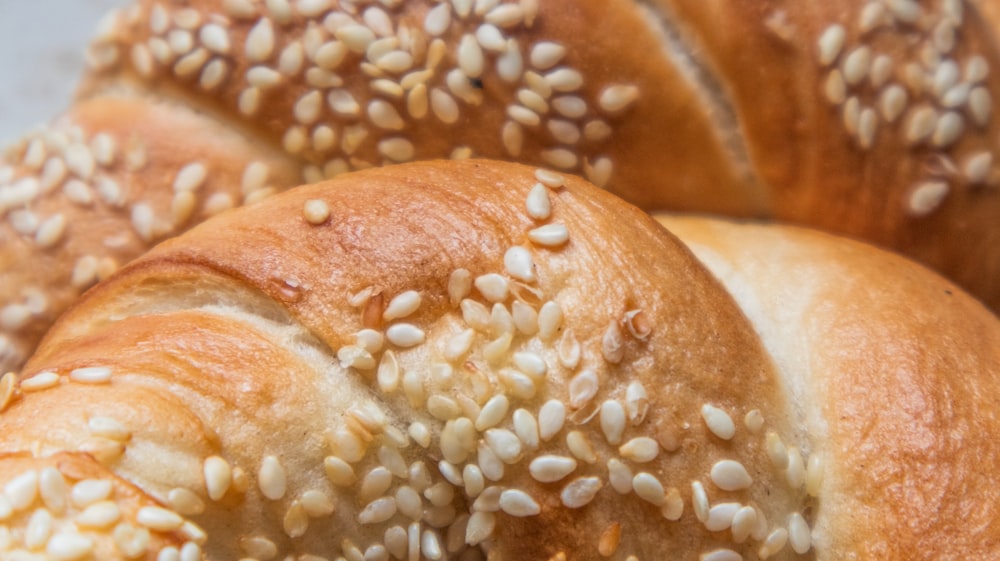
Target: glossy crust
<point>871,345</point>
<point>271,379</point>
<point>239,341</point>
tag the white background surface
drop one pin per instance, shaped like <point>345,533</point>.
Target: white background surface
<point>41,57</point>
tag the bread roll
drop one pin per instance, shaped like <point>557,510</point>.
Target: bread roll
<point>476,360</point>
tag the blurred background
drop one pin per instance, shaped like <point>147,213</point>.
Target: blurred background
<point>41,55</point>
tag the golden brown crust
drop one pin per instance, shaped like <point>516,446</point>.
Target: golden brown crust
<point>899,366</point>
<point>372,365</point>
<point>869,119</point>
<point>100,186</point>
<point>247,330</point>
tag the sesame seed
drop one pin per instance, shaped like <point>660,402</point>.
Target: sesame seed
<point>444,106</point>
<point>190,177</point>
<point>730,475</point>
<point>699,500</point>
<point>271,479</point>
<point>89,491</point>
<point>720,516</point>
<point>561,158</point>
<point>776,450</point>
<point>417,101</point>
<point>620,476</point>
<point>50,231</point>
<point>892,102</point>
<point>948,129</point>
<point>945,76</point>
<point>718,421</point>
<point>867,126</point>
<point>339,472</point>
<point>53,174</point>
<point>566,132</point>
<point>773,543</point>
<point>213,74</point>
<point>976,168</point>
<point>378,511</point>
<point>926,197</point>
<point>582,388</point>
<point>648,488</point>
<point>438,20</point>
<point>395,62</point>
<point>215,38</point>
<point>721,554</point>
<point>69,546</point>
<point>142,60</point>
<point>159,519</point>
<point>618,97</point>
<point>108,428</point>
<point>12,317</point>
<point>191,63</point>
<point>316,211</point>
<point>296,521</point>
<point>491,38</point>
<point>980,105</point>
<point>581,448</point>
<point>906,11</point>
<point>834,88</point>
<point>512,136</point>
<point>263,77</point>
<point>872,15</point>
<point>976,69</point>
<point>313,8</point>
<point>384,115</point>
<point>329,55</point>
<point>40,381</point>
<point>99,515</point>
<point>510,63</point>
<point>799,535</point>
<point>956,96</point>
<point>249,101</point>
<point>795,473</point>
<point>80,161</point>
<point>551,418</point>
<point>218,477</point>
<point>185,502</point>
<point>180,41</point>
<point>405,335</point>
<point>754,421</point>
<point>307,108</point>
<point>506,15</point>
<point>91,375</point>
<point>580,492</point>
<point>546,54</point>
<point>856,65</point>
<point>564,79</point>
<point>397,149</point>
<point>357,38</point>
<point>260,41</point>
<point>291,59</point>
<point>920,124</point>
<point>519,264</point>
<point>518,503</point>
<point>743,523</point>
<point>523,115</point>
<point>831,41</point>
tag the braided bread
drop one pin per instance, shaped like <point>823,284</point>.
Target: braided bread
<point>872,118</point>
<point>476,360</point>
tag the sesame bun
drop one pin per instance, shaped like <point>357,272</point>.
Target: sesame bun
<point>866,118</point>
<point>476,360</point>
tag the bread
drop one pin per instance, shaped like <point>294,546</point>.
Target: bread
<point>476,360</point>
<point>733,108</point>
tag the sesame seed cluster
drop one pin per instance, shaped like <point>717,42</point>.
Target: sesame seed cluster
<point>74,202</point>
<point>351,85</point>
<point>906,67</point>
<point>317,88</point>
<point>504,408</point>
